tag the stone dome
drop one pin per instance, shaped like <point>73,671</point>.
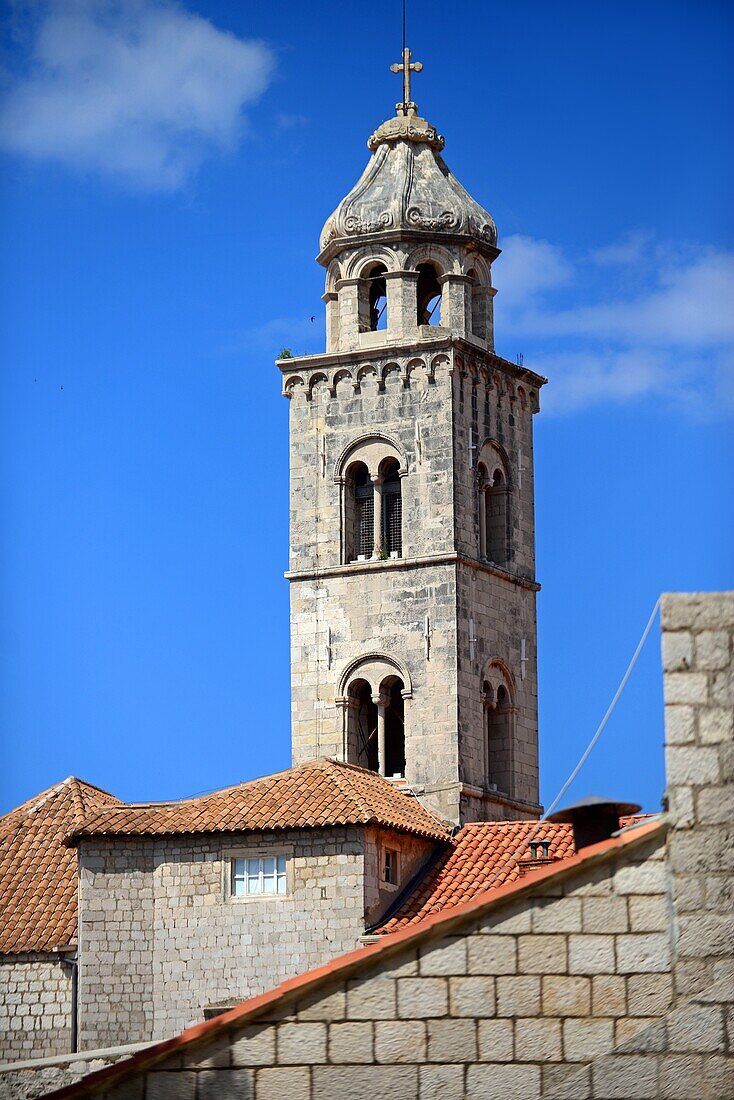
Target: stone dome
<point>407,188</point>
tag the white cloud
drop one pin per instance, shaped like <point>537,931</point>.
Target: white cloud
<point>138,90</point>
<point>666,330</point>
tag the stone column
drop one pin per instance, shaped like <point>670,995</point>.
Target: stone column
<point>456,303</point>
<point>377,517</point>
<point>348,292</point>
<point>381,708</point>
<point>331,298</point>
<point>482,520</point>
<point>402,301</point>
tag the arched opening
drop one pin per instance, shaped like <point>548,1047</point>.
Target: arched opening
<point>478,306</point>
<point>498,733</point>
<point>392,510</point>
<point>362,726</point>
<point>377,297</point>
<point>496,518</point>
<point>391,692</point>
<point>359,516</point>
<point>429,295</point>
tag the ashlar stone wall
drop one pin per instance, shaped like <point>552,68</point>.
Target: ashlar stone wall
<point>35,1006</point>
<point>513,1003</point>
<point>161,937</point>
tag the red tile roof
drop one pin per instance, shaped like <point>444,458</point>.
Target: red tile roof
<point>38,873</point>
<point>314,795</point>
<point>482,856</point>
<point>440,924</point>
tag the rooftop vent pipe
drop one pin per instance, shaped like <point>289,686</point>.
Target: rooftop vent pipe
<point>593,819</point>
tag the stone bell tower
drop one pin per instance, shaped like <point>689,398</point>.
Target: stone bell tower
<point>411,486</point>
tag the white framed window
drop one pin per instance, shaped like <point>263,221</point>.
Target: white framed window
<point>259,876</point>
<point>390,866</point>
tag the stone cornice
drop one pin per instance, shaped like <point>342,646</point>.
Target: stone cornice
<point>407,349</point>
<point>419,562</point>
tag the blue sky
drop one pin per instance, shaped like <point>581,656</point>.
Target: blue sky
<point>166,169</point>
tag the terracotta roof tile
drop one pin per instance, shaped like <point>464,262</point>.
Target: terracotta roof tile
<point>38,873</point>
<point>318,794</point>
<point>482,856</point>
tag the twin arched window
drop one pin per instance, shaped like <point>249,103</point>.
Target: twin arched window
<point>373,511</point>
<point>494,511</point>
<point>499,716</point>
<point>376,726</point>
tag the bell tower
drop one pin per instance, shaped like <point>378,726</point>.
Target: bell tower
<point>412,557</point>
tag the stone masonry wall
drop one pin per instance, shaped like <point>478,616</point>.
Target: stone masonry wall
<point>193,945</point>
<point>418,398</point>
<point>35,1006</point>
<point>512,1004</point>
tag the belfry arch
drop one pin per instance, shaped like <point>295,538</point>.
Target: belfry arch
<point>373,691</point>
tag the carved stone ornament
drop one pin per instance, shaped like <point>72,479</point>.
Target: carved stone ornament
<point>444,223</point>
<point>407,128</point>
<point>354,224</point>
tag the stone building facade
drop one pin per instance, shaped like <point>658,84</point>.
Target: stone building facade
<point>412,562</point>
<point>162,940</point>
<point>607,976</point>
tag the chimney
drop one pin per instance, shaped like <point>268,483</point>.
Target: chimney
<point>593,819</point>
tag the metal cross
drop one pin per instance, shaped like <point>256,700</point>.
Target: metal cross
<point>406,68</point>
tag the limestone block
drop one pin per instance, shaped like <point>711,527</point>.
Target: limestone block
<point>503,1082</point>
<point>587,1039</point>
<point>605,915</point>
<point>175,1085</point>
<point>686,687</point>
<point>253,1046</point>
<point>518,996</point>
<point>331,1006</point>
<point>640,878</point>
<point>452,1041</point>
<point>446,957</point>
<point>419,998</point>
<point>638,1034</point>
<point>538,1040</point>
<point>492,955</point>
<point>496,1040</point>
<point>373,999</point>
<point>351,1042</point>
<point>299,1043</point>
<point>364,1082</point>
<point>625,1077</point>
<point>566,996</point>
<point>649,994</point>
<point>277,1083</point>
<point>696,1028</point>
<point>716,725</point>
<point>643,953</point>
<point>566,1082</point>
<point>681,1077</point>
<point>692,765</point>
<point>224,1084</point>
<point>400,1041</point>
<point>712,650</point>
<point>556,915</point>
<point>680,725</point>
<point>677,647</point>
<point>441,1082</point>
<point>542,954</point>
<point>591,954</point>
<point>472,996</point>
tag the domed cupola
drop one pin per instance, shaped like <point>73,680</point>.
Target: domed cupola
<point>408,251</point>
<point>407,188</point>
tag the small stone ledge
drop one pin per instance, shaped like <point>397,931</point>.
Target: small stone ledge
<point>355,567</point>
